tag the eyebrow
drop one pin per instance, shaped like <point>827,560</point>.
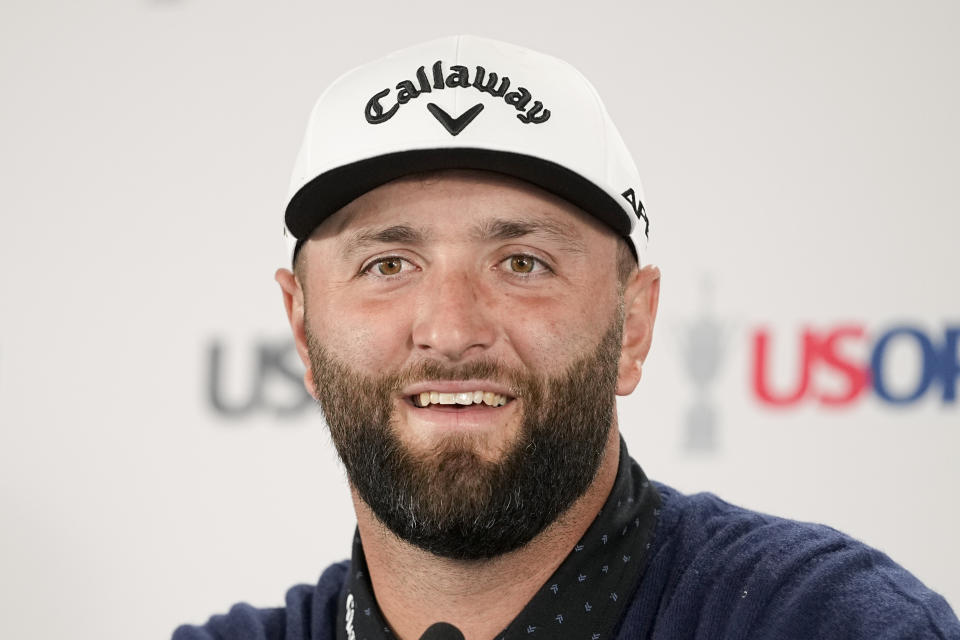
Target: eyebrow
<point>397,233</point>
<point>507,229</point>
<point>488,230</point>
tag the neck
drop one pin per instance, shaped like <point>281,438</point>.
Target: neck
<point>480,597</point>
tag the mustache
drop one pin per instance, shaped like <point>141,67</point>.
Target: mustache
<point>430,370</point>
<point>519,382</point>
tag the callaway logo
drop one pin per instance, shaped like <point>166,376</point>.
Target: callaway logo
<point>451,124</point>
<point>459,76</point>
<point>638,209</point>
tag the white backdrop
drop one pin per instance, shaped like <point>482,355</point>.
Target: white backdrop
<point>156,461</point>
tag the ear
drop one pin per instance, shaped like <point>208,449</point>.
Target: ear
<point>293,302</point>
<point>640,298</point>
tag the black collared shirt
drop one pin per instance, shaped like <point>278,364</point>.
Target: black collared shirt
<point>584,598</point>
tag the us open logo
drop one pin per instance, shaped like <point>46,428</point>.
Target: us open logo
<point>255,377</point>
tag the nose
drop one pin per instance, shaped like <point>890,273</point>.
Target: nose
<point>453,319</point>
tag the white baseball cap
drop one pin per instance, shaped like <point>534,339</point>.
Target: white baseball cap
<point>465,102</point>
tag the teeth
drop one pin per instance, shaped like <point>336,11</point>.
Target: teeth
<point>426,398</point>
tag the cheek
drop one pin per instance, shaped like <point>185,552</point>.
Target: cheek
<point>371,338</point>
<point>546,331</point>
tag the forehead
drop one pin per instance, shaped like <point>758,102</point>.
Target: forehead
<point>466,201</point>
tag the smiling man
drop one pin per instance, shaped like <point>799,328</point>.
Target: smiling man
<point>469,294</point>
<point>460,357</point>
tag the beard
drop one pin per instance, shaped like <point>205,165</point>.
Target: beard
<point>450,499</point>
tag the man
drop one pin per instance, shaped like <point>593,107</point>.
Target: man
<point>469,294</point>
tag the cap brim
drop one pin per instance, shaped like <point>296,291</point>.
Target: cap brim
<point>332,190</point>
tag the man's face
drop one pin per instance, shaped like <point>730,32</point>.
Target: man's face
<point>463,334</point>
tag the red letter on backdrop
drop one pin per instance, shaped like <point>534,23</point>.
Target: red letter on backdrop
<point>857,376</point>
<point>760,384</point>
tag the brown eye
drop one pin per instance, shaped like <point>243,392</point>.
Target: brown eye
<point>389,266</point>
<point>521,264</point>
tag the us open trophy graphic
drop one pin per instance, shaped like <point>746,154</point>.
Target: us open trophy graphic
<point>702,345</point>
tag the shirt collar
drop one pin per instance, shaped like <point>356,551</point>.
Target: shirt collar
<point>584,598</point>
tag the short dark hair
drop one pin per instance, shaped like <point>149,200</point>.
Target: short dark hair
<point>626,261</point>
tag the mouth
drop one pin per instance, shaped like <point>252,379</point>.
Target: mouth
<point>458,400</point>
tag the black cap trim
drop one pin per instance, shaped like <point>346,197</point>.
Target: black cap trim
<point>336,188</point>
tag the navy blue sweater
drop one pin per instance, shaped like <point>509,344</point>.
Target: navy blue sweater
<point>714,571</point>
